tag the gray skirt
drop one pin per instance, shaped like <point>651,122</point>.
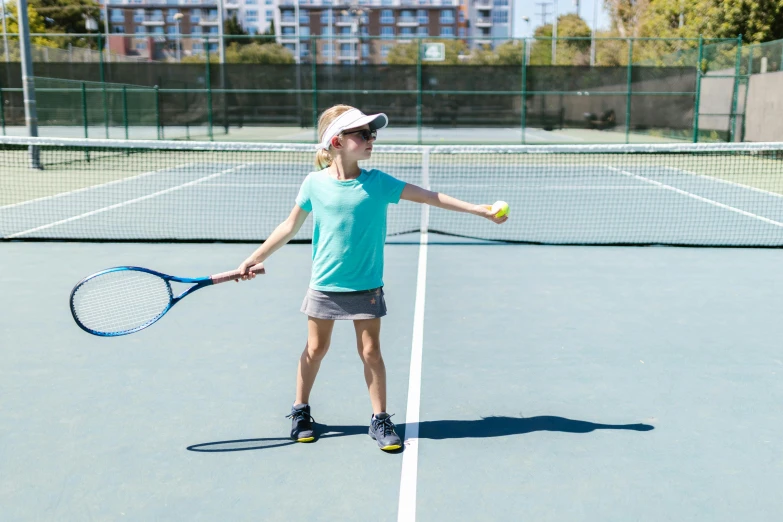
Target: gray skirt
<point>366,304</point>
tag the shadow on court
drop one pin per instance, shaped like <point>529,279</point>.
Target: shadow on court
<point>436,430</point>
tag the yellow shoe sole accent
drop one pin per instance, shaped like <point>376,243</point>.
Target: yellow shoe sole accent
<point>306,439</point>
<point>391,447</point>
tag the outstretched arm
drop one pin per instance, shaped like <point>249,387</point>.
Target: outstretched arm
<point>281,235</point>
<point>436,199</point>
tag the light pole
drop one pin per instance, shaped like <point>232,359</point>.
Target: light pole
<point>356,14</point>
<point>592,33</point>
<point>177,18</point>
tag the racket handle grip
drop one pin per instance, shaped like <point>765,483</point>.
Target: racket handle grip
<point>234,274</point>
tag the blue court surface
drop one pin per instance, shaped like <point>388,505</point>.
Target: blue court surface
<point>542,383</point>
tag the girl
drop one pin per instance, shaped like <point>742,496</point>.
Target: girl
<point>349,205</point>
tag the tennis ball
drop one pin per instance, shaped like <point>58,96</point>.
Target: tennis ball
<point>500,208</point>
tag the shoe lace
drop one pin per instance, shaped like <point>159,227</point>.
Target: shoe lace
<point>385,424</point>
<point>300,415</point>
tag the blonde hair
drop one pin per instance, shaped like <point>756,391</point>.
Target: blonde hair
<point>323,158</point>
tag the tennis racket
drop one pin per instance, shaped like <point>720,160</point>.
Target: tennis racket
<point>126,299</point>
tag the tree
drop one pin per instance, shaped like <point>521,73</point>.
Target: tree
<point>35,22</point>
<point>270,53</point>
<point>68,16</point>
<point>627,16</point>
<point>569,52</point>
<point>234,28</point>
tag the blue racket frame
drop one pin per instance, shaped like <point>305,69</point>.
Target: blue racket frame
<point>198,283</point>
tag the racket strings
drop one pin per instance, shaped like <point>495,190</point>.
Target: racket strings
<point>121,301</point>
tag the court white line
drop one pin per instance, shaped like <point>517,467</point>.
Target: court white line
<point>726,182</point>
<point>92,187</point>
<point>122,204</point>
<point>699,198</point>
<point>406,509</point>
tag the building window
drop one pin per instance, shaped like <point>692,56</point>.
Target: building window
<point>422,31</point>
<point>406,31</point>
<point>157,30</point>
<point>387,32</point>
<point>387,2</point>
<point>119,29</point>
<point>304,18</point>
<point>461,16</point>
<point>327,31</point>
<point>447,16</point>
<point>213,30</point>
<point>270,15</point>
<point>117,15</point>
<point>138,16</point>
<point>251,16</point>
<point>325,16</point>
<point>387,16</point>
<point>289,31</point>
<point>195,16</point>
<point>365,49</point>
<point>500,17</point>
<point>141,46</point>
<point>346,48</point>
<point>141,30</point>
<point>501,2</point>
<point>171,29</point>
<point>462,32</point>
<point>197,30</point>
<point>290,47</point>
<point>424,18</point>
<point>447,31</point>
<point>327,49</point>
<point>197,47</point>
<point>304,31</point>
<point>385,50</point>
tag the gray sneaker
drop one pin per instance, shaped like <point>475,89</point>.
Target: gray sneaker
<point>382,431</point>
<point>301,423</point>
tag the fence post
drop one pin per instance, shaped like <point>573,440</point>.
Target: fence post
<point>125,109</point>
<point>209,91</point>
<point>735,94</point>
<point>2,108</point>
<point>523,107</point>
<point>158,122</point>
<point>103,85</point>
<point>84,110</point>
<point>314,87</point>
<point>629,88</point>
<point>418,90</point>
<point>698,92</point>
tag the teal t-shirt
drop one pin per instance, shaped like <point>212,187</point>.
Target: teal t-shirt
<point>350,228</point>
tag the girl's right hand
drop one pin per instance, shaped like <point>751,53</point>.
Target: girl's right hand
<point>244,269</point>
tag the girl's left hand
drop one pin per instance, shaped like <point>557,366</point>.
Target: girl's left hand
<point>485,211</point>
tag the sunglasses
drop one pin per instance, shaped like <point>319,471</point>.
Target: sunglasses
<point>365,134</point>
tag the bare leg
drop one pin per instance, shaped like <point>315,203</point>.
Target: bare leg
<point>368,332</point>
<point>319,336</point>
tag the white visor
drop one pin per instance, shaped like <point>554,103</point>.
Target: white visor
<point>349,120</point>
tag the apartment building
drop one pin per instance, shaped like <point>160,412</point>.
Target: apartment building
<point>343,28</point>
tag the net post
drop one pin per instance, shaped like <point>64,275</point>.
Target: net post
<point>523,106</point>
<point>314,87</point>
<point>697,98</point>
<point>735,94</point>
<point>425,183</point>
<point>418,90</point>
<point>125,110</point>
<point>209,91</point>
<point>103,85</point>
<point>629,88</point>
<point>158,126</point>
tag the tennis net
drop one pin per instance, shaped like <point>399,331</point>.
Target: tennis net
<point>675,194</point>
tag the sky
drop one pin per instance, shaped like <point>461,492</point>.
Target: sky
<point>531,10</point>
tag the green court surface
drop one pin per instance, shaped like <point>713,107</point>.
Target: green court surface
<point>553,383</point>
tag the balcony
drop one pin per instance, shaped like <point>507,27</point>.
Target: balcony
<point>483,22</point>
<point>483,4</point>
<point>153,21</point>
<point>288,20</point>
<point>344,38</point>
<point>407,21</point>
<point>208,20</point>
<point>343,21</point>
<point>481,41</point>
<point>231,4</point>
